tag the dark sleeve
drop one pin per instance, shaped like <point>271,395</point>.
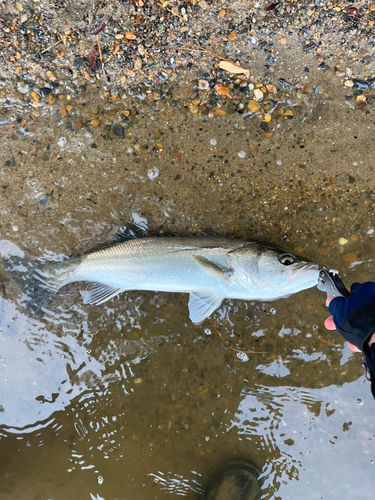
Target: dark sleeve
<point>370,360</point>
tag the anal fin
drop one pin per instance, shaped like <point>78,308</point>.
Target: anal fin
<point>202,305</point>
<point>99,293</point>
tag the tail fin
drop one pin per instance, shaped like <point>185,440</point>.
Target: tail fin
<point>39,281</point>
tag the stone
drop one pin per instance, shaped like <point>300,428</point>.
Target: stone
<point>119,131</point>
<point>253,106</point>
<point>258,94</point>
<point>138,64</point>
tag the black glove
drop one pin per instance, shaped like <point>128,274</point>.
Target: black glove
<point>354,316</point>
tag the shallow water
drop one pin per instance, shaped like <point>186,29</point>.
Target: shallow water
<point>128,399</point>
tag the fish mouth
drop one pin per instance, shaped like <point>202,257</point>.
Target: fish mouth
<point>308,272</point>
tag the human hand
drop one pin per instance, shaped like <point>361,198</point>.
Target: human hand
<point>330,325</point>
<point>354,316</point>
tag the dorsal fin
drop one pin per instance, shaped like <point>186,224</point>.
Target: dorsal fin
<point>131,232</point>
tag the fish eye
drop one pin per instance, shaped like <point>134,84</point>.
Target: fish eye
<point>286,259</point>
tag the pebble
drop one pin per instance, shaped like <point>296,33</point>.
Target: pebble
<point>267,118</point>
<point>130,36</point>
<point>221,90</point>
<point>51,100</point>
<point>45,91</point>
<point>253,106</point>
<point>258,94</point>
<point>349,83</point>
<point>95,123</point>
<point>370,231</point>
<point>360,98</point>
<point>343,241</point>
<point>203,85</point>
<point>271,88</point>
<point>119,131</point>
<point>63,111</point>
<point>35,96</point>
<point>138,64</point>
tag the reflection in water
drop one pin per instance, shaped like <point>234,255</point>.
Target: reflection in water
<point>177,484</point>
<point>50,372</point>
<point>302,432</point>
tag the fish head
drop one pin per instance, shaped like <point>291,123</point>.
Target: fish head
<point>288,272</point>
<point>273,272</point>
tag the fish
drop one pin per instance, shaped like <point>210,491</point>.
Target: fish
<point>208,268</point>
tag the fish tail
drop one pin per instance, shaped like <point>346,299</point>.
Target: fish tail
<point>40,282</point>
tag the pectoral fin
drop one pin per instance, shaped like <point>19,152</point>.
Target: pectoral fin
<point>202,305</point>
<point>99,293</point>
<point>213,268</point>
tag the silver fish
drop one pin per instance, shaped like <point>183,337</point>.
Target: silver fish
<point>209,268</point>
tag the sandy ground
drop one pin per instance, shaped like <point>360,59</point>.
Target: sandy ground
<point>281,152</point>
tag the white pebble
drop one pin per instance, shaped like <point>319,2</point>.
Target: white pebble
<point>370,231</point>
<point>258,94</point>
<point>251,86</point>
<point>242,154</point>
<point>343,241</point>
<point>279,162</point>
<point>153,173</point>
<point>242,356</point>
<point>213,142</point>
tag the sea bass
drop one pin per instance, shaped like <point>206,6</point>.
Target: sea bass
<point>209,268</point>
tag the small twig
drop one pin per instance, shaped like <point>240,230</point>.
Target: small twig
<point>190,50</point>
<point>228,346</point>
<point>209,52</point>
<point>101,59</point>
<point>170,10</point>
<point>51,46</point>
